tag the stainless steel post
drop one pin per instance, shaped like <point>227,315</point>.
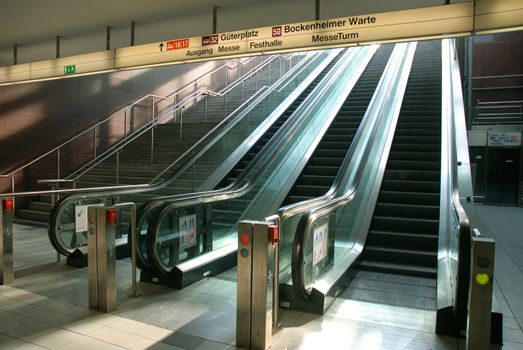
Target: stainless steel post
<point>94,143</point>
<point>58,163</point>
<point>6,241</point>
<point>243,289</point>
<point>181,123</point>
<point>101,258</point>
<point>53,201</point>
<point>132,240</point>
<point>152,145</point>
<point>117,167</point>
<point>480,294</point>
<point>255,285</point>
<point>125,122</point>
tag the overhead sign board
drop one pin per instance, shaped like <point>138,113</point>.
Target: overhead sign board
<point>397,25</point>
<point>427,22</point>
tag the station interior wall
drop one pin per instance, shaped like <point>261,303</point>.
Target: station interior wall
<point>35,117</point>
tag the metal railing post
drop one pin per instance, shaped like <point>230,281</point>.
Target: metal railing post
<point>6,241</point>
<point>243,85</point>
<point>225,106</point>
<point>205,108</point>
<point>181,123</point>
<point>101,258</point>
<point>256,252</point>
<point>125,123</point>
<point>13,183</point>
<point>480,294</point>
<point>152,145</point>
<point>117,167</point>
<point>152,109</point>
<point>94,143</point>
<point>58,163</point>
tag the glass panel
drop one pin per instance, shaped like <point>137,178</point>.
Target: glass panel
<point>196,174</point>
<point>270,173</point>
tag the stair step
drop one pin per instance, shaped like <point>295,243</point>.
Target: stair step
<point>403,240</point>
<point>400,269</point>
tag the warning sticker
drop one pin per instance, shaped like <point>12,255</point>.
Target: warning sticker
<point>187,231</point>
<point>319,249</point>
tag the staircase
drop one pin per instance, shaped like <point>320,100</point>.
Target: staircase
<point>402,242</point>
<point>135,164</point>
<point>324,164</point>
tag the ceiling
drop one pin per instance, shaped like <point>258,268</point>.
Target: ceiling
<point>27,22</point>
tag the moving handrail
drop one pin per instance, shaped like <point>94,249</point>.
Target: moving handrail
<point>265,159</point>
<point>455,235</point>
<point>188,158</point>
<point>384,108</point>
<point>56,150</point>
<point>243,183</point>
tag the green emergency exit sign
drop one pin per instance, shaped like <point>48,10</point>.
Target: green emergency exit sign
<point>70,69</point>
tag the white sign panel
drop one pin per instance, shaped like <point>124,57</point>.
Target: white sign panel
<point>396,25</point>
<point>80,218</point>
<point>320,247</point>
<point>187,231</point>
<point>504,138</point>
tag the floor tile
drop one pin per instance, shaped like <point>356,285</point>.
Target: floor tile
<point>109,335</point>
<point>85,343</point>
<point>31,330</point>
<point>56,338</point>
<point>135,342</point>
<point>84,327</point>
<point>7,342</point>
<point>163,346</point>
<point>128,326</point>
<point>153,332</point>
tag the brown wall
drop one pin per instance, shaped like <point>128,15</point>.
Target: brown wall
<point>35,117</point>
<point>498,54</point>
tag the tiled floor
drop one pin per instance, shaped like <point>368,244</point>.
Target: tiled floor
<point>46,308</point>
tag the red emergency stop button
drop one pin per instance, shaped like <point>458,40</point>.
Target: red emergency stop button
<point>110,216</point>
<point>273,234</point>
<point>9,205</point>
<point>245,239</point>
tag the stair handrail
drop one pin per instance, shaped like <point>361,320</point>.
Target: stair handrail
<point>68,191</point>
<point>57,149</point>
<point>389,92</point>
<point>171,112</point>
<point>455,159</point>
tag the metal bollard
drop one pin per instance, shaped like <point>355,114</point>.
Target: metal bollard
<point>6,241</point>
<point>102,258</point>
<point>256,251</point>
<point>480,294</point>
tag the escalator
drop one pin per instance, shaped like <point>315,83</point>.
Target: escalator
<point>259,191</point>
<point>322,167</point>
<point>403,234</point>
<point>221,213</point>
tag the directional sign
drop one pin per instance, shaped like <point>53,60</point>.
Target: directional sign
<point>458,19</point>
<point>396,25</point>
<point>70,69</point>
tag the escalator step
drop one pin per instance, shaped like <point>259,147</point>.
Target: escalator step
<point>405,224</point>
<point>403,240</point>
<point>397,268</point>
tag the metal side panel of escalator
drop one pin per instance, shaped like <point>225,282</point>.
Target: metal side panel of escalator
<point>399,263</point>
